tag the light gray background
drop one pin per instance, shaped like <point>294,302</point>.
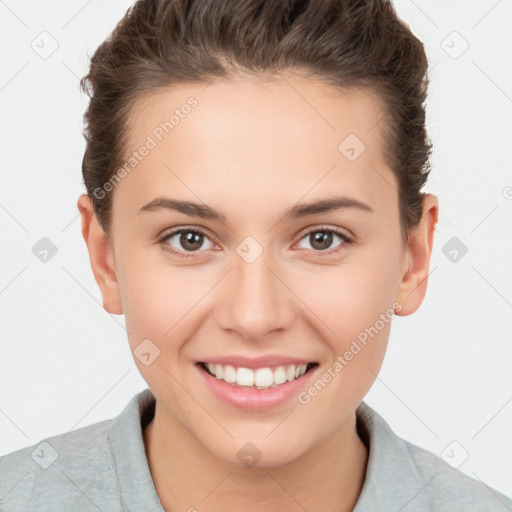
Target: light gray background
<point>65,362</point>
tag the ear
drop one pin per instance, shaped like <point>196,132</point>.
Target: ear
<point>100,255</point>
<point>413,286</point>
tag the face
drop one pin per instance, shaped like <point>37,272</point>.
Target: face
<point>249,271</point>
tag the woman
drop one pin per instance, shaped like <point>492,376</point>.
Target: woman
<point>254,208</point>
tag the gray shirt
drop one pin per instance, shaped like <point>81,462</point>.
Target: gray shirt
<point>103,467</point>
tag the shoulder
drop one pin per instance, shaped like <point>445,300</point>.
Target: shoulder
<point>68,471</point>
<point>447,488</point>
<point>404,476</point>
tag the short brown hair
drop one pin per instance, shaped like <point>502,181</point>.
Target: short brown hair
<point>347,43</point>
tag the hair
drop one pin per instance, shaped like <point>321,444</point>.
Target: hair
<point>346,43</point>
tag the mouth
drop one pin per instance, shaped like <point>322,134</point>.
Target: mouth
<point>260,378</point>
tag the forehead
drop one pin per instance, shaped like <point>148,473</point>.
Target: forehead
<point>273,139</point>
<point>260,107</point>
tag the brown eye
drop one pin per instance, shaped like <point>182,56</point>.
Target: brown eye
<point>321,239</point>
<point>191,240</point>
<point>185,240</point>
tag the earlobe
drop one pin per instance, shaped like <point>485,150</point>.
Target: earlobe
<point>101,256</point>
<point>413,286</point>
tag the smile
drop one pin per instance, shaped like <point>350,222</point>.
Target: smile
<point>260,378</point>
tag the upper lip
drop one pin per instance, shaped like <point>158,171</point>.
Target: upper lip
<point>257,362</point>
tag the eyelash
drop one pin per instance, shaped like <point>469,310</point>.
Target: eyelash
<point>323,229</point>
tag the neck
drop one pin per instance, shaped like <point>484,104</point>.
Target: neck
<point>329,476</point>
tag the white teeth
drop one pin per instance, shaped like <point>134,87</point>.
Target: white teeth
<point>229,374</point>
<point>279,375</point>
<point>219,371</point>
<point>264,377</point>
<point>261,378</point>
<point>245,377</point>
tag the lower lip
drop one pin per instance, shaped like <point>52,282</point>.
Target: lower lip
<point>255,399</point>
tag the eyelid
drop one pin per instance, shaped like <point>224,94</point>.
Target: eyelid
<point>173,231</point>
<point>326,227</point>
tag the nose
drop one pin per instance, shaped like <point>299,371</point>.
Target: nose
<point>256,300</point>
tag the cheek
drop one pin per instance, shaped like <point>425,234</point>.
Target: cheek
<point>353,309</point>
<point>352,296</point>
<point>159,307</point>
<point>155,296</point>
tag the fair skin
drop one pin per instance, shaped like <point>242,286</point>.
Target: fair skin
<point>252,149</point>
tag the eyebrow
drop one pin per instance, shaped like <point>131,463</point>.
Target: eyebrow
<point>300,210</point>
